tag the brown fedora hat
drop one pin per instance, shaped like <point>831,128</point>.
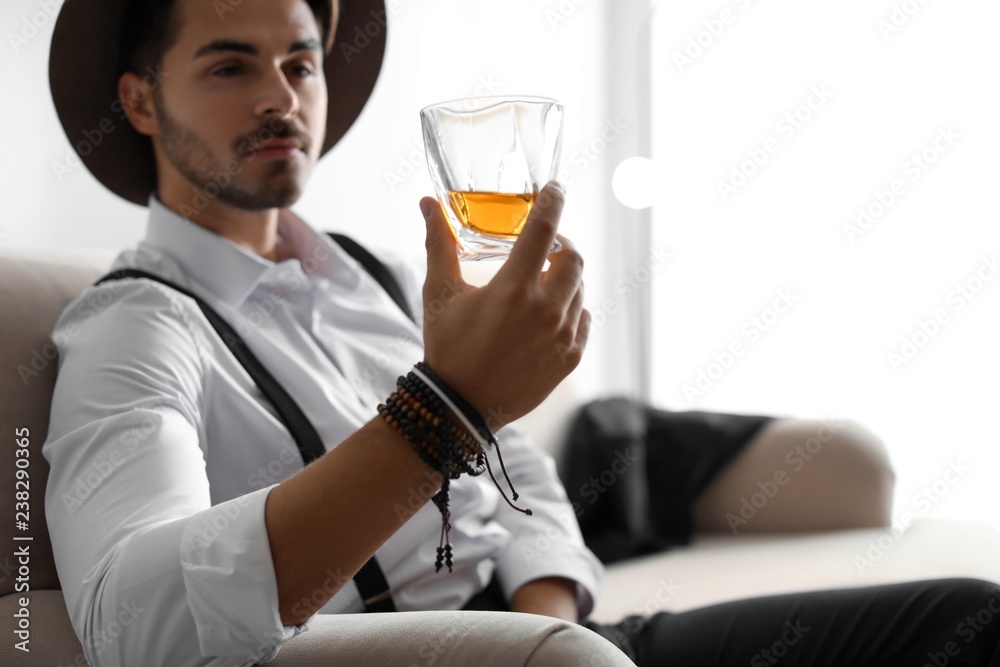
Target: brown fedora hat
<point>83,77</point>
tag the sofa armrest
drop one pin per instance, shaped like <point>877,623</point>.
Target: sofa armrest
<point>447,639</point>
<point>722,567</point>
<point>51,639</point>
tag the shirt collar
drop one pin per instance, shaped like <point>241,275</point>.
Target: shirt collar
<point>230,271</point>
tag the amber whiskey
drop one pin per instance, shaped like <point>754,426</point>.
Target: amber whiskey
<point>492,213</point>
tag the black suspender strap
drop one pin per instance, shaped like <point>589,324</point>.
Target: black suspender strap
<point>370,580</point>
<point>373,588</point>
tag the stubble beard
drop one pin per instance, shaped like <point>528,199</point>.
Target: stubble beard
<point>194,159</point>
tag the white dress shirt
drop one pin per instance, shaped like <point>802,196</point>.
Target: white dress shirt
<point>163,451</point>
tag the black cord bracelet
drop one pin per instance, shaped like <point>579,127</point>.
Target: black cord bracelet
<point>470,412</point>
<point>420,414</point>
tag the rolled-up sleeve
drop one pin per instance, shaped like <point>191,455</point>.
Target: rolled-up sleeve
<point>151,572</point>
<point>548,543</point>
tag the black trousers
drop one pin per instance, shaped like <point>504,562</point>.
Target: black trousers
<point>925,623</point>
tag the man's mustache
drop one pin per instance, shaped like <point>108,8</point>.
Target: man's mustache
<point>248,145</point>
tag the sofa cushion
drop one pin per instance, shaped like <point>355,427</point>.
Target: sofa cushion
<point>34,289</point>
<point>723,567</point>
<point>52,640</point>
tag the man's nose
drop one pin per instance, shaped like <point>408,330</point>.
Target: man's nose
<point>277,96</point>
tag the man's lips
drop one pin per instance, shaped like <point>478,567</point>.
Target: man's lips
<point>277,149</point>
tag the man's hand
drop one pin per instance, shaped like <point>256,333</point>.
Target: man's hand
<point>505,346</point>
<point>554,596</point>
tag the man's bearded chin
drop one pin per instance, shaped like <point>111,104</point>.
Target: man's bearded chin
<point>280,190</point>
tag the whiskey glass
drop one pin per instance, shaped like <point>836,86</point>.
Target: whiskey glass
<point>488,158</point>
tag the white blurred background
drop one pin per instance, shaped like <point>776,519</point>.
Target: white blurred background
<point>895,75</point>
<point>749,202</point>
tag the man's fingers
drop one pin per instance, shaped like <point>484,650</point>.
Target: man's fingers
<point>442,247</point>
<point>565,272</point>
<point>535,241</point>
<point>575,306</point>
<point>574,354</point>
<point>583,330</point>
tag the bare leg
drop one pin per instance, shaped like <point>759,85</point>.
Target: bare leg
<point>799,475</point>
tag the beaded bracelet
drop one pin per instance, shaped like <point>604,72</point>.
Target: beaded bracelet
<point>421,409</point>
<point>465,412</point>
<point>461,406</point>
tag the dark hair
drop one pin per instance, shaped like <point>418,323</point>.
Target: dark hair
<point>151,27</point>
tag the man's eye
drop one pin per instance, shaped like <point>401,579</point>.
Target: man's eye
<point>227,71</point>
<point>304,70</point>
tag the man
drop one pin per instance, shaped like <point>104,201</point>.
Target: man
<point>202,516</point>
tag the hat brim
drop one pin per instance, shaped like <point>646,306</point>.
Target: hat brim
<point>83,78</point>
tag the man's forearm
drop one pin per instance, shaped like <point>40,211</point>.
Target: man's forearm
<point>333,515</point>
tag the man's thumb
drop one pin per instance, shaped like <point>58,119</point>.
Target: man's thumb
<point>442,253</point>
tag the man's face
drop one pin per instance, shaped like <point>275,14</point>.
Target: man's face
<point>242,109</point>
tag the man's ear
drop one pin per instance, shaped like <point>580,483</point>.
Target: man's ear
<point>137,99</point>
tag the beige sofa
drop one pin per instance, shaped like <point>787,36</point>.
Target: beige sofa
<point>34,287</point>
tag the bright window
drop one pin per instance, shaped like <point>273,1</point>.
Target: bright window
<point>828,178</point>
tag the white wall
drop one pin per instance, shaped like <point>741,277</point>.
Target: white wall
<point>858,292</point>
<point>438,50</point>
